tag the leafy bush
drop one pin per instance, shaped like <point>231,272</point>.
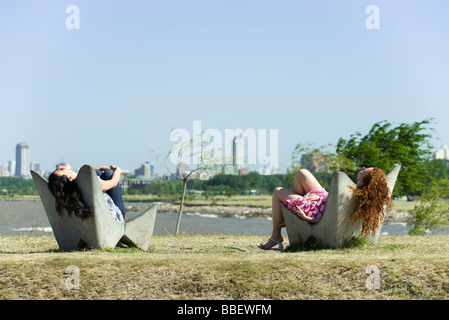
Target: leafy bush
<point>432,211</point>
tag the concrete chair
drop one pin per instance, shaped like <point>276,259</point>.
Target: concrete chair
<point>101,230</point>
<point>335,227</point>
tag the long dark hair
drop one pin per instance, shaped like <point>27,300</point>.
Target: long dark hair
<point>68,197</point>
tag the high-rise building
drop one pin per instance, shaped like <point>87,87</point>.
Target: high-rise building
<point>146,170</point>
<point>182,169</point>
<point>23,160</point>
<point>238,152</point>
<point>442,153</point>
<point>238,166</point>
<point>12,167</point>
<point>35,166</point>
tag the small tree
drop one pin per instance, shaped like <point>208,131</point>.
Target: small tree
<point>432,211</point>
<point>208,166</point>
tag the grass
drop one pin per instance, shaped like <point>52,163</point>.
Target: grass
<point>226,267</point>
<point>403,205</point>
<point>235,200</point>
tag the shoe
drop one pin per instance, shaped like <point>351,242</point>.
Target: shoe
<point>279,244</point>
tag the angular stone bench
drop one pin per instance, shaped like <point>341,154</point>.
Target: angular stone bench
<point>335,227</point>
<point>101,230</point>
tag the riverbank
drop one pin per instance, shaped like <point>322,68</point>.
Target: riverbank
<point>243,211</point>
<point>245,206</point>
<point>234,206</point>
<point>211,267</point>
<point>27,217</point>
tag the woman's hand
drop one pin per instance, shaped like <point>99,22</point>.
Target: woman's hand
<point>312,197</point>
<point>116,169</point>
<point>115,179</point>
<point>303,216</point>
<point>299,212</point>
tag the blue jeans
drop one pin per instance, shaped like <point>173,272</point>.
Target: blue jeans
<point>116,192</point>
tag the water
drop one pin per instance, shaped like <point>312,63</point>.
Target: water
<point>29,218</point>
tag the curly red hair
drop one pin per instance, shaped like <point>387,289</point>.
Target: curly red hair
<point>372,199</point>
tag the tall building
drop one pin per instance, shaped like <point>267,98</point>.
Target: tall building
<point>36,166</point>
<point>238,166</point>
<point>23,160</point>
<point>12,167</point>
<point>238,152</point>
<point>146,170</point>
<point>182,169</point>
<point>442,153</point>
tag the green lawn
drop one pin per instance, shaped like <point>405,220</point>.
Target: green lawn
<point>226,267</point>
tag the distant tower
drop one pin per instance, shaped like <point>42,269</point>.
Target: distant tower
<point>238,152</point>
<point>12,167</point>
<point>36,166</point>
<point>145,170</point>
<point>442,153</point>
<point>22,160</point>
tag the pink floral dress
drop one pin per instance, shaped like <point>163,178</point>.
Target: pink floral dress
<point>311,208</point>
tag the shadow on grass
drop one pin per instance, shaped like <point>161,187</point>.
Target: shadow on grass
<point>26,244</point>
<point>314,244</point>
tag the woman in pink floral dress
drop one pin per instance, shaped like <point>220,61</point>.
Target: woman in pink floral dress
<point>308,201</point>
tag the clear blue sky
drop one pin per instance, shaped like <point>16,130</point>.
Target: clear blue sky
<point>112,91</point>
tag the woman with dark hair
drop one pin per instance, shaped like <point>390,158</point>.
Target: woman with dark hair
<point>308,201</point>
<point>61,184</point>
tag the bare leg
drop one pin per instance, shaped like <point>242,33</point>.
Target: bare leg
<point>304,183</point>
<point>279,195</point>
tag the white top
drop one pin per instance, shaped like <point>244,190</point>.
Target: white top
<point>115,211</point>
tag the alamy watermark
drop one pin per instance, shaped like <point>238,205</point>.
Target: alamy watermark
<point>373,280</point>
<point>373,20</point>
<point>231,147</point>
<point>72,282</point>
<point>72,22</point>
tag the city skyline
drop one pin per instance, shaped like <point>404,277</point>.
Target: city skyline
<point>146,169</point>
<point>109,82</point>
<point>21,165</point>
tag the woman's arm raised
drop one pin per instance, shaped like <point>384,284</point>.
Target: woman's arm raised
<point>109,184</point>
